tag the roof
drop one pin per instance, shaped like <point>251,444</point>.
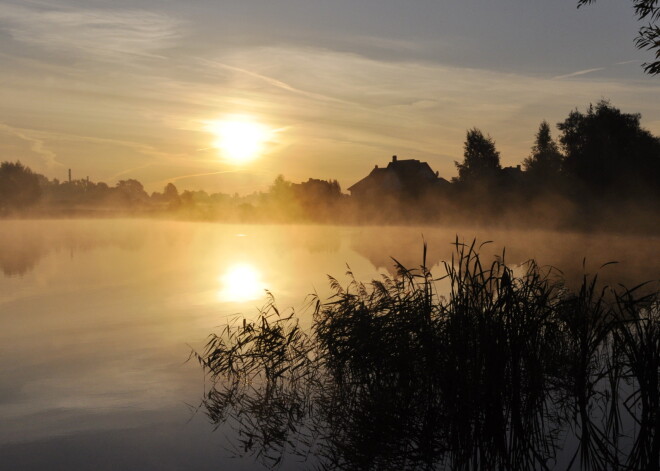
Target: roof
<point>399,175</point>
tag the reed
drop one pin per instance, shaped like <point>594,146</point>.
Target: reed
<point>493,374</point>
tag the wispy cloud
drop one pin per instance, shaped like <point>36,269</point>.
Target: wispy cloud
<point>104,33</point>
<point>418,106</point>
<point>194,175</point>
<point>36,144</point>
<point>129,171</point>
<point>595,69</point>
<point>343,112</point>
<point>578,73</point>
<point>269,80</point>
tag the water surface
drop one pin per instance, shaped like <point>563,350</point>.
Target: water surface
<point>99,317</point>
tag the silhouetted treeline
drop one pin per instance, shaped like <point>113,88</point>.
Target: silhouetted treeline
<point>23,192</point>
<point>601,173</point>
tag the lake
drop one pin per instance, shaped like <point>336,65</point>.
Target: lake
<point>99,317</point>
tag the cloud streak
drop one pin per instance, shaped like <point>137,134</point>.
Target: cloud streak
<point>270,81</point>
<point>101,33</point>
<point>578,73</point>
<point>37,145</point>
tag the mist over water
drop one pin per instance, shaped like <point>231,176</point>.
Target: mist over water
<point>99,317</point>
<point>26,243</point>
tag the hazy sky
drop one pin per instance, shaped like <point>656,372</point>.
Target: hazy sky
<point>125,89</point>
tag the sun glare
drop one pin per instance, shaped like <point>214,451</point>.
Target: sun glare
<point>240,283</point>
<point>239,139</point>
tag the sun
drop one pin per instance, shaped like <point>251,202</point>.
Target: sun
<point>239,139</point>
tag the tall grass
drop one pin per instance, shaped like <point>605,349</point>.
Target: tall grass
<point>494,374</point>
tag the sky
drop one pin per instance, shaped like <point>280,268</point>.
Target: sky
<point>135,89</point>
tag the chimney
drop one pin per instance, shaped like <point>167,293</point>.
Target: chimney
<point>394,158</point>
<point>376,166</point>
<point>518,167</point>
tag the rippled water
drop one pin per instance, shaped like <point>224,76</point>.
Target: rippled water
<point>98,318</point>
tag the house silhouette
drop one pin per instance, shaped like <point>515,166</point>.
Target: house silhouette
<point>408,178</point>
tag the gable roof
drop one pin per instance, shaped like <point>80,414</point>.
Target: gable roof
<point>399,175</point>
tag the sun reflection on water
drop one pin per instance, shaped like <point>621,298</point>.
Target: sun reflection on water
<point>240,283</point>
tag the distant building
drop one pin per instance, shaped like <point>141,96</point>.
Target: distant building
<point>401,178</point>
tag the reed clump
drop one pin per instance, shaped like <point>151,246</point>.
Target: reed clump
<point>496,373</point>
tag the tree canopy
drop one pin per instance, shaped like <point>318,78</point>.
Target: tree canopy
<point>481,159</point>
<point>545,159</point>
<point>19,187</point>
<point>608,149</point>
<point>132,191</point>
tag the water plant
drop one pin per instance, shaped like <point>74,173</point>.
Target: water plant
<point>494,373</point>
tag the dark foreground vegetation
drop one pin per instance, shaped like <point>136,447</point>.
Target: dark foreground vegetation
<point>602,173</point>
<point>503,371</point>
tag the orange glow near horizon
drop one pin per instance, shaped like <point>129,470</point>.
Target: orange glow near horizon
<point>239,139</point>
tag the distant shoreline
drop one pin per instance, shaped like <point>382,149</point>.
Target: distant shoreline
<point>650,230</point>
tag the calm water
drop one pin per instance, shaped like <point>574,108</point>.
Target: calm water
<point>98,318</point>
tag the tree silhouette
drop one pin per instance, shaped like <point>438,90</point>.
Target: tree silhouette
<point>281,190</point>
<point>608,150</point>
<point>648,36</point>
<point>545,160</point>
<point>170,192</point>
<point>132,191</point>
<point>19,187</point>
<point>171,196</point>
<point>481,159</point>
